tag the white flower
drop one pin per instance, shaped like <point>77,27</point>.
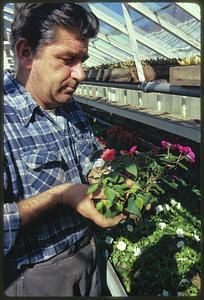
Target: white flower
<point>108,240</point>
<point>178,205</point>
<point>183,281</point>
<point>173,202</point>
<point>180,244</point>
<point>179,293</point>
<point>180,232</point>
<point>158,209</point>
<point>162,225</point>
<point>165,293</point>
<point>129,228</point>
<point>137,251</point>
<point>121,246</point>
<point>196,237</point>
<point>167,207</point>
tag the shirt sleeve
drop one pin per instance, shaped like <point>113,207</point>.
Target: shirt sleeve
<point>11,225</point>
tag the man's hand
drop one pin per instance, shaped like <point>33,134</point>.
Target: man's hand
<point>41,206</point>
<point>75,196</point>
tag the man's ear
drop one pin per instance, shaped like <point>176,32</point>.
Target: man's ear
<point>24,53</point>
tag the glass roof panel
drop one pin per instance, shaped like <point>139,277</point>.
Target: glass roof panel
<point>116,10</point>
<point>143,22</point>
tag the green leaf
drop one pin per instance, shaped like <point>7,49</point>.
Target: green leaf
<point>99,205</point>
<point>108,213</point>
<point>134,188</point>
<point>139,202</point>
<point>172,184</point>
<point>107,203</point>
<point>113,176</point>
<point>92,188</point>
<point>159,188</point>
<point>182,166</point>
<point>109,193</point>
<point>146,197</point>
<point>115,260</point>
<point>132,207</point>
<point>119,206</point>
<point>132,169</point>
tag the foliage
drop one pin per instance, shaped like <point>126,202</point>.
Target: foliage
<point>158,252</point>
<point>129,63</point>
<point>133,180</point>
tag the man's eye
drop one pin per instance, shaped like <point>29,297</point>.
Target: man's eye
<point>67,61</point>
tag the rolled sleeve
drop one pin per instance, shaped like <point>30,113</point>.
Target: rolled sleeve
<point>11,225</point>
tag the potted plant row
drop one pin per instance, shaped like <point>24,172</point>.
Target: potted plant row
<point>154,69</point>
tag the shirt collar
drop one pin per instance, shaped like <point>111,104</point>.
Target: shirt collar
<point>19,97</point>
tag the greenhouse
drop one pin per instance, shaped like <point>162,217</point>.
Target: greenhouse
<point>141,96</point>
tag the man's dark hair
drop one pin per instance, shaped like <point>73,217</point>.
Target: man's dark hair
<point>36,22</point>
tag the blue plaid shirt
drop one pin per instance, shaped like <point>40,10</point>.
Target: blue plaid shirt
<point>40,153</point>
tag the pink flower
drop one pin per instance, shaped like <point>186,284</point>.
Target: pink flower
<point>180,148</point>
<point>108,154</point>
<point>187,149</point>
<point>191,156</point>
<point>165,144</point>
<point>173,146</point>
<point>132,149</point>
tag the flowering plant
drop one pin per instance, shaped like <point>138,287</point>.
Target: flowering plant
<point>132,180</point>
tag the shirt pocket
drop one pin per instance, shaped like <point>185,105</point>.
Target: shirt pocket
<point>45,168</point>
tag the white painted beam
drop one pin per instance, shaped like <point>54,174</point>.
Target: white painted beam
<point>133,41</point>
<point>191,8</point>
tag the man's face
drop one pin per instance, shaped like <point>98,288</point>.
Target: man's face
<point>57,69</point>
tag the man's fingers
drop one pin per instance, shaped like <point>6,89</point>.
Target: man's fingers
<point>104,222</point>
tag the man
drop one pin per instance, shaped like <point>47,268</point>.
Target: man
<point>49,149</point>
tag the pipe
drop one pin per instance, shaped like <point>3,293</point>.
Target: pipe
<point>148,87</point>
<point>168,88</point>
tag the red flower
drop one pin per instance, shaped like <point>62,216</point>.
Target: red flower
<point>108,154</point>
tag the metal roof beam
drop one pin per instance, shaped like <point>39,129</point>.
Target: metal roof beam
<point>164,24</point>
<point>140,38</point>
<point>191,8</point>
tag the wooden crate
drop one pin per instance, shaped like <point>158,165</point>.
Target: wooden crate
<point>185,75</point>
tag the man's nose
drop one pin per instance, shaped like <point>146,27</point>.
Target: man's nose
<point>78,72</point>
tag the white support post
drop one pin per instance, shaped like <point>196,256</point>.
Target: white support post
<point>133,41</point>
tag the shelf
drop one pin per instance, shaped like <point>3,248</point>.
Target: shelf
<point>186,129</point>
